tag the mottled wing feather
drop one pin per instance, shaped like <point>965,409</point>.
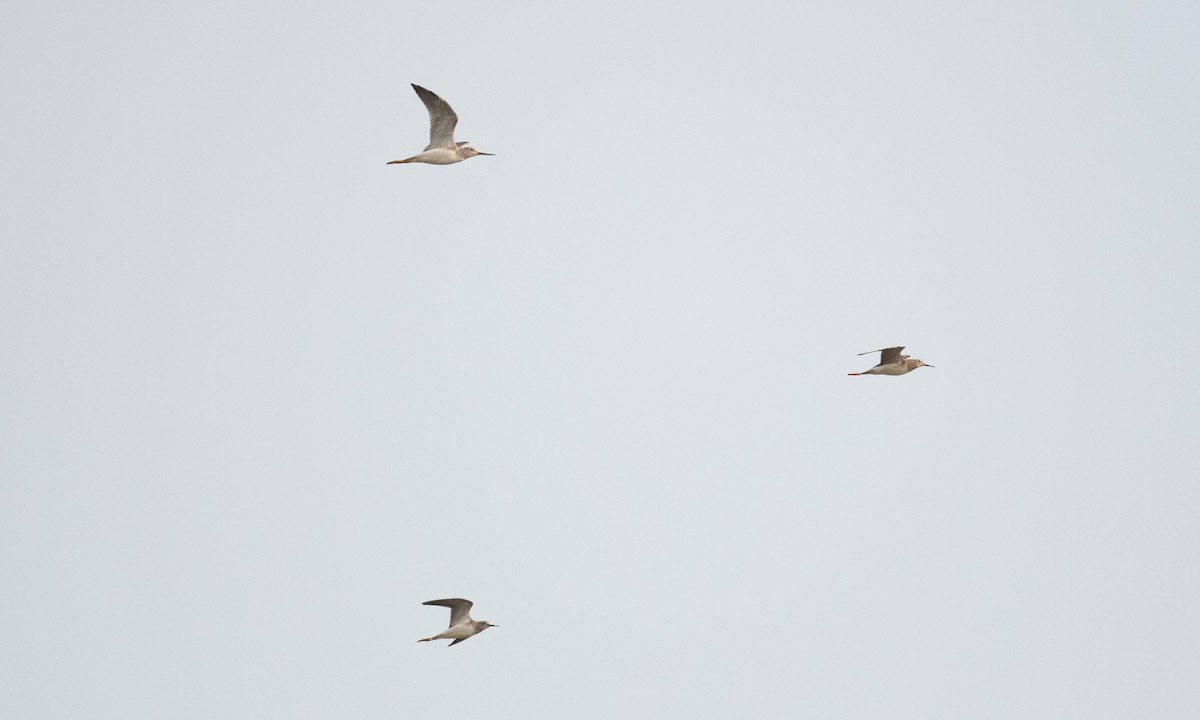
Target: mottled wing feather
<point>889,355</point>
<point>460,610</point>
<point>441,119</point>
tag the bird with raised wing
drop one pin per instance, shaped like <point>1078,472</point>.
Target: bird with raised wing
<point>891,362</point>
<point>442,150</point>
<point>461,624</point>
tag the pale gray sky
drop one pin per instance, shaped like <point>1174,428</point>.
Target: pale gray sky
<point>261,394</point>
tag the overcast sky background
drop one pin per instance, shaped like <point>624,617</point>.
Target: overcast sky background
<point>262,394</point>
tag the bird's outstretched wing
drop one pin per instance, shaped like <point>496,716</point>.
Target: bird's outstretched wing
<point>460,610</point>
<point>457,642</point>
<point>890,355</point>
<point>441,119</point>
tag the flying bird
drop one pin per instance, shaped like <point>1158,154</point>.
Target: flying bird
<point>442,150</point>
<point>461,624</point>
<point>891,362</point>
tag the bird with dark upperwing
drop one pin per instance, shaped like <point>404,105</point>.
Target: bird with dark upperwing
<point>891,362</point>
<point>461,624</point>
<point>442,150</point>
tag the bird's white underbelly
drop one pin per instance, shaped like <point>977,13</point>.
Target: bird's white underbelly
<point>438,156</point>
<point>458,631</point>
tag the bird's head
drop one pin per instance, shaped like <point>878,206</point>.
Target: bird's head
<point>919,363</point>
<point>472,152</point>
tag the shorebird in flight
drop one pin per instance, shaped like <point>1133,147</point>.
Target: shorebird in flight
<point>442,150</point>
<point>461,624</point>
<point>891,362</point>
